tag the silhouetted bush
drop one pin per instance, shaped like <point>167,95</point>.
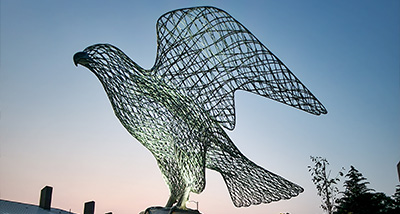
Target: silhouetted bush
<point>359,199</point>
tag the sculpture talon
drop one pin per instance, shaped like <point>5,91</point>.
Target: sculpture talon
<point>178,107</point>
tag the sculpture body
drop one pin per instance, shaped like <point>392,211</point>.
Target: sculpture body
<point>176,108</point>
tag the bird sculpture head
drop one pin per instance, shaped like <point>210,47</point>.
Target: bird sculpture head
<point>106,61</point>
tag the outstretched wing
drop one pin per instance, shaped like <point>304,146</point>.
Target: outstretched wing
<point>208,55</point>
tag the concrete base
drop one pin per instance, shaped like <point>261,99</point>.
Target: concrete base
<point>168,210</point>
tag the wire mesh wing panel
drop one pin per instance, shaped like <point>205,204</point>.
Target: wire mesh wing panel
<point>208,55</point>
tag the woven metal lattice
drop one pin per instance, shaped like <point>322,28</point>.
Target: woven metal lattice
<point>177,108</point>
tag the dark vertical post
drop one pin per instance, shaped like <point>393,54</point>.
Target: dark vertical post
<point>398,169</point>
<point>89,208</point>
<point>45,197</point>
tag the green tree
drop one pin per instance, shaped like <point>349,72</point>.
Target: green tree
<point>326,186</point>
<point>357,195</point>
<point>396,200</point>
<point>359,199</point>
<point>381,203</point>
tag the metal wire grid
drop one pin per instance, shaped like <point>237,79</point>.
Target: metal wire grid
<point>176,109</point>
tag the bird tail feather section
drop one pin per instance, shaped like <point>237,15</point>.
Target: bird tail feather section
<point>250,184</point>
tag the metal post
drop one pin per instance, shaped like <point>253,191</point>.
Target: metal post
<point>45,197</point>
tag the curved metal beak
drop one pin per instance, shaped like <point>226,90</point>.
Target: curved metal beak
<point>81,58</point>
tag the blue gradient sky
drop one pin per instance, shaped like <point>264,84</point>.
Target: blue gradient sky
<point>57,127</point>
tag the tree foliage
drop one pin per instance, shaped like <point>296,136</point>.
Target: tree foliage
<point>396,197</point>
<point>326,186</point>
<point>356,185</point>
<point>359,199</point>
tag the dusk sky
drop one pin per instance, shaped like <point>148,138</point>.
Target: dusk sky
<point>57,126</point>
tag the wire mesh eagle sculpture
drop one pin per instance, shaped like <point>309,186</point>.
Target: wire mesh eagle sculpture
<point>178,108</point>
